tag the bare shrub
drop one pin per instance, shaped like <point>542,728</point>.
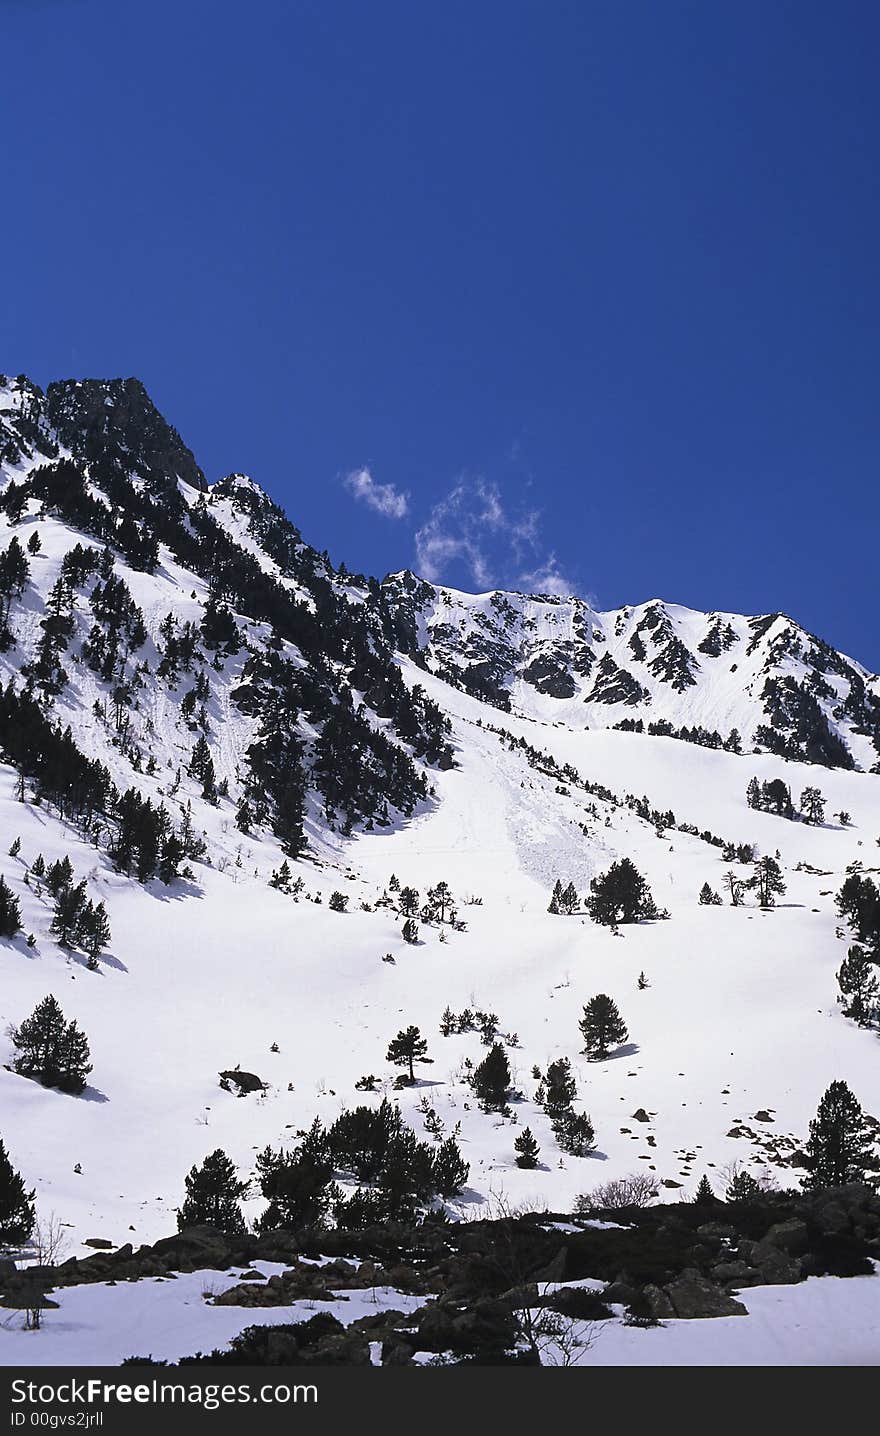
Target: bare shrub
<point>637,1189</point>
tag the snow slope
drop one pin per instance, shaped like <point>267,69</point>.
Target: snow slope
<point>730,1045</point>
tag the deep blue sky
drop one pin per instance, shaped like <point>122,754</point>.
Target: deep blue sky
<point>594,284</point>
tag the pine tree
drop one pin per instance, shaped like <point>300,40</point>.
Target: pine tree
<point>212,1196</point>
<point>555,898</point>
<point>16,1204</point>
<point>708,896</point>
<point>15,848</point>
<point>10,911</point>
<point>338,902</point>
<point>767,879</point>
<point>527,1149</point>
<point>201,766</point>
<point>753,793</point>
<point>602,1027</point>
<point>50,1050</point>
<point>642,982</point>
<point>742,1188</point>
<point>491,1079</point>
<point>95,931</point>
<point>33,544</point>
<point>575,1133</point>
<point>734,884</point>
<point>704,1196</point>
<point>69,907</point>
<point>813,805</point>
<point>620,896</point>
<point>407,1047</point>
<point>560,1087</point>
<point>450,1169</point>
<point>858,986</point>
<point>411,931</point>
<point>839,1148</point>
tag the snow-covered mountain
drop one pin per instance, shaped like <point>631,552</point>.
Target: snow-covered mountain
<point>193,697</point>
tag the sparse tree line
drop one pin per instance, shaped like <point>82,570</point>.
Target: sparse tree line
<point>662,728</point>
<point>566,776</point>
<point>774,796</point>
<point>766,881</point>
<point>858,904</point>
<point>619,896</point>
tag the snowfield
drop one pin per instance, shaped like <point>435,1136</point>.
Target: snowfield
<point>731,1043</point>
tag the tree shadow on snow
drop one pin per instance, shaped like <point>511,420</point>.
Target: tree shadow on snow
<point>629,1049</point>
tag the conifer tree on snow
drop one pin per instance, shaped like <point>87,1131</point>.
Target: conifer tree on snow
<point>555,898</point>
<point>813,805</point>
<point>708,896</point>
<point>734,884</point>
<point>51,1050</point>
<point>33,544</point>
<point>767,879</point>
<point>411,931</point>
<point>16,1204</point>
<point>602,1027</point>
<point>839,1148</point>
<point>742,1188</point>
<point>560,1087</point>
<point>859,986</point>
<point>527,1149</point>
<point>10,911</point>
<point>407,1047</point>
<point>704,1196</point>
<point>212,1196</point>
<point>491,1079</point>
<point>620,896</point>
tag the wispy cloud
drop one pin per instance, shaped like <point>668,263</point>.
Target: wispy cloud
<point>495,539</point>
<point>383,499</point>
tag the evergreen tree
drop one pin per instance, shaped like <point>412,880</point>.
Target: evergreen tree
<point>704,1196</point>
<point>560,1088</point>
<point>408,902</point>
<point>201,766</point>
<point>450,1169</point>
<point>753,793</point>
<point>767,879</point>
<point>95,931</point>
<point>620,896</point>
<point>491,1079</point>
<point>338,902</point>
<point>527,1149</point>
<point>742,1188</point>
<point>708,896</point>
<point>813,805</point>
<point>407,1047</point>
<point>575,1133</point>
<point>50,1050</point>
<point>858,985</point>
<point>15,847</point>
<point>70,905</point>
<point>16,1204</point>
<point>859,903</point>
<point>602,1027</point>
<point>734,884</point>
<point>212,1196</point>
<point>10,911</point>
<point>34,545</point>
<point>555,898</point>
<point>411,931</point>
<point>839,1148</point>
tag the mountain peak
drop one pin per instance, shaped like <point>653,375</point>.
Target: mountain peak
<point>117,419</point>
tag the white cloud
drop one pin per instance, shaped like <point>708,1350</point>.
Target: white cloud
<point>384,499</point>
<point>497,542</point>
<point>548,578</point>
